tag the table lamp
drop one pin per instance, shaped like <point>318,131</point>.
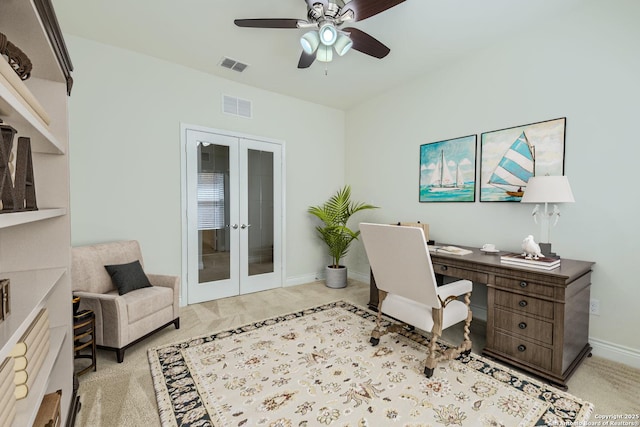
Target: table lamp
<point>547,189</point>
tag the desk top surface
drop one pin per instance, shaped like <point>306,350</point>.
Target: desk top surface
<point>569,268</point>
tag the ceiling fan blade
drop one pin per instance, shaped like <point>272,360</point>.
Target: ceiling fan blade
<point>306,60</point>
<point>267,23</point>
<point>365,43</point>
<point>363,9</point>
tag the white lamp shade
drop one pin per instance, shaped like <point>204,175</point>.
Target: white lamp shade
<point>328,34</point>
<point>310,42</point>
<point>324,54</point>
<point>548,189</point>
<point>343,44</point>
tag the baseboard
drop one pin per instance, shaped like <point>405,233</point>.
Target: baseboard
<point>615,352</point>
<point>301,280</point>
<point>358,276</point>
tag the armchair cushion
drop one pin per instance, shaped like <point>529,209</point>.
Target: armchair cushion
<point>128,277</point>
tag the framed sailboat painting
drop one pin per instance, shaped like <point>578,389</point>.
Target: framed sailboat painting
<point>509,157</point>
<point>448,170</point>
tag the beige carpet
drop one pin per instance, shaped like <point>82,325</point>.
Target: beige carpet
<point>123,394</point>
<point>316,367</point>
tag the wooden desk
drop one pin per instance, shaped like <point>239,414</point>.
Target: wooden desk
<point>537,320</point>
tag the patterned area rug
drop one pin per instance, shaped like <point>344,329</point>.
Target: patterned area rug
<point>316,367</point>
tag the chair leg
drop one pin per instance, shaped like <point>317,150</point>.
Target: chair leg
<point>431,361</point>
<point>377,331</point>
<point>120,355</point>
<point>176,323</point>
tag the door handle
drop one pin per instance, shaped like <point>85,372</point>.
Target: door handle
<point>243,226</point>
<point>234,226</point>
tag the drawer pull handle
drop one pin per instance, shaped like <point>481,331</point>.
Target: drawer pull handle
<point>443,268</point>
<point>523,284</point>
<point>523,303</point>
<point>522,347</point>
<point>522,325</point>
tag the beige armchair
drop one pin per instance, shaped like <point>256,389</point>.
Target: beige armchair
<point>122,320</point>
<point>408,292</point>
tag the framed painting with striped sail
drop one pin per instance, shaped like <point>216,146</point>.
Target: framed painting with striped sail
<point>509,157</point>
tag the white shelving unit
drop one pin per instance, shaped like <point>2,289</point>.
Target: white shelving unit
<point>35,246</point>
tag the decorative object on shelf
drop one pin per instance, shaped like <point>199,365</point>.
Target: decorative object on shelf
<point>335,214</point>
<point>29,353</point>
<point>8,407</point>
<point>448,170</point>
<point>508,158</point>
<point>547,189</point>
<point>20,194</point>
<point>4,299</point>
<point>18,60</point>
<point>49,411</point>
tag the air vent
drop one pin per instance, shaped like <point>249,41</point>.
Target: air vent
<point>236,106</point>
<point>232,64</point>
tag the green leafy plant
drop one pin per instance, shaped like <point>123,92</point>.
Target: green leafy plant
<point>334,214</point>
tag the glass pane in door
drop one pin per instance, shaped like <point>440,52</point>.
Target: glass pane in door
<point>260,212</point>
<point>213,213</point>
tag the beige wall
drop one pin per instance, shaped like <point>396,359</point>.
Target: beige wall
<point>585,68</point>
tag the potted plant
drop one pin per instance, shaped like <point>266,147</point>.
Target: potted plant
<point>335,214</point>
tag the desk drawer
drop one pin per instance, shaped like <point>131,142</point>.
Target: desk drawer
<point>524,303</point>
<point>523,350</point>
<point>459,273</point>
<point>525,286</point>
<point>519,324</point>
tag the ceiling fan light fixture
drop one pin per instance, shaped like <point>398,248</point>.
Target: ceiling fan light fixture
<point>310,42</point>
<point>343,44</point>
<point>324,54</point>
<point>328,34</point>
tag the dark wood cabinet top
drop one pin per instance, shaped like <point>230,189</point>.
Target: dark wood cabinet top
<point>490,263</point>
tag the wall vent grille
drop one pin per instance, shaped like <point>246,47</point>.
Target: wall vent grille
<point>232,64</point>
<point>236,106</point>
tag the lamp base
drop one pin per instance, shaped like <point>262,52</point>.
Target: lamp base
<point>545,248</point>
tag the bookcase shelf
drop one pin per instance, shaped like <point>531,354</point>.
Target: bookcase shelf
<point>35,248</point>
<point>31,289</point>
<point>17,218</point>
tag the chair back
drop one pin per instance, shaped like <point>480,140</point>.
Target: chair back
<point>400,261</point>
<point>87,264</point>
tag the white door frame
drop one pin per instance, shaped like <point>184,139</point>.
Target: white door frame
<point>184,203</point>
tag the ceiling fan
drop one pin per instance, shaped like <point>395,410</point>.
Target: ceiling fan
<point>325,19</point>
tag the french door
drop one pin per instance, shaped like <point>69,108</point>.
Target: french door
<point>233,215</point>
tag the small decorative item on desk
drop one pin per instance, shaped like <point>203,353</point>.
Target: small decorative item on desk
<point>530,249</point>
<point>542,262</point>
<point>4,299</point>
<point>489,248</point>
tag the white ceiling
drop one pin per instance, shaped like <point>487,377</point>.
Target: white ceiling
<point>422,35</point>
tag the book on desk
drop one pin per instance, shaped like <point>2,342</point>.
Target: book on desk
<point>449,250</point>
<point>543,263</point>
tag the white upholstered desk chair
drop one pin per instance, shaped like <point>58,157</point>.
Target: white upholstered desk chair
<point>408,291</point>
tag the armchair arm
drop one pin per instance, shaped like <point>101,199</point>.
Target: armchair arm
<point>172,282</point>
<point>108,309</point>
<point>454,289</point>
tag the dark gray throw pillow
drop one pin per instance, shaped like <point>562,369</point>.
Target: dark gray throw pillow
<point>128,277</point>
